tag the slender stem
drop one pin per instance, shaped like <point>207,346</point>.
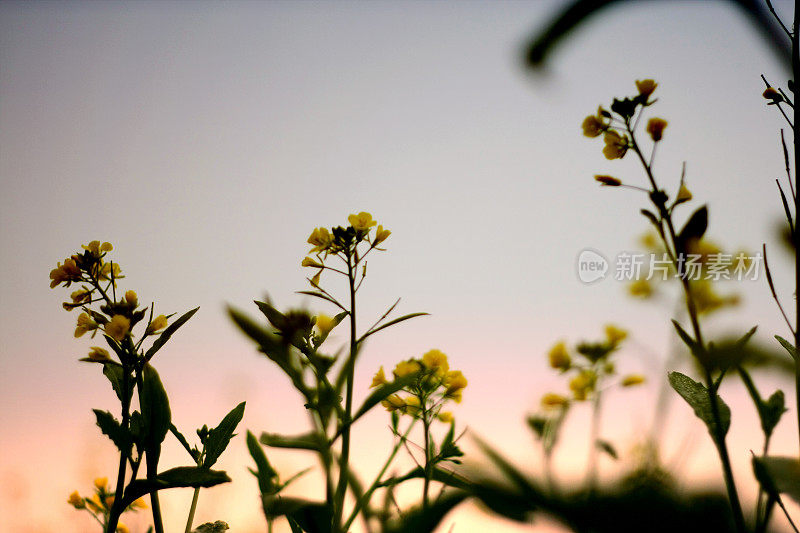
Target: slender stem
<point>591,470</point>
<point>719,436</point>
<point>341,489</point>
<point>192,509</point>
<point>116,507</point>
<point>426,433</point>
<point>795,128</point>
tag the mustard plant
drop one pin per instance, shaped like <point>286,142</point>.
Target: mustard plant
<point>293,340</point>
<point>139,433</point>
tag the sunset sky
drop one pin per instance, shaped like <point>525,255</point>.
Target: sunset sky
<point>206,140</point>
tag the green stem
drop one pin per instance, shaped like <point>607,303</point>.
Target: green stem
<point>426,434</point>
<point>116,508</point>
<point>718,436</point>
<point>591,472</point>
<point>192,510</point>
<point>796,130</point>
<point>341,488</point>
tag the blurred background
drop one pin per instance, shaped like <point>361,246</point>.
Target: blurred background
<point>206,140</point>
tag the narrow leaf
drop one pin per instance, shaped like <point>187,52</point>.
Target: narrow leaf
<point>390,323</point>
<point>697,396</point>
<point>266,475</point>
<point>118,435</point>
<point>220,436</point>
<point>185,443</point>
<point>165,336</point>
<point>607,447</point>
<point>788,346</point>
<point>778,475</point>
<point>182,476</point>
<point>156,414</point>
<point>306,441</point>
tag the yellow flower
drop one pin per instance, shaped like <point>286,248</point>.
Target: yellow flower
<point>615,335</point>
<point>616,145</point>
<point>101,482</point>
<point>85,323</point>
<point>131,298</point>
<point>559,357</point>
<point>393,402</point>
<point>655,127</point>
<point>321,238</point>
<point>649,240</point>
<point>632,379</point>
<point>118,327</point>
<point>109,501</point>
<point>309,262</point>
<point>437,361</point>
<point>122,528</point>
<point>412,406</point>
<point>380,235</point>
<point>582,384</point>
<point>551,400</point>
<point>646,87</point>
<point>707,300</point>
<point>138,504</point>
<point>95,504</point>
<point>96,248</point>
<point>76,500</point>
<point>324,324</point>
<point>445,416</point>
<point>99,354</point>
<point>684,194</point>
<point>404,368</point>
<point>362,221</point>
<point>593,126</point>
<point>109,270</point>
<point>66,273</point>
<point>158,323</point>
<point>641,288</point>
<point>609,181</point>
<point>455,383</point>
<point>379,378</point>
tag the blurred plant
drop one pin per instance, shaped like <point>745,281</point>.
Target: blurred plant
<point>293,341</point>
<point>99,504</point>
<point>139,434</point>
<point>433,385</point>
<point>590,372</point>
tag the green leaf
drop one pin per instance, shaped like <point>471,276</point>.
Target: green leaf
<point>685,337</point>
<point>380,394</point>
<point>178,435</point>
<point>118,435</point>
<point>446,477</point>
<point>390,323</point>
<point>164,337</point>
<point>217,527</point>
<point>115,374</point>
<point>694,229</point>
<point>788,346</point>
<point>771,412</point>
<point>697,396</point>
<point>312,517</point>
<point>156,414</point>
<point>427,520</point>
<point>607,447</point>
<point>322,296</point>
<point>265,474</point>
<point>182,476</point>
<point>778,475</point>
<point>306,441</point>
<point>220,436</point>
<point>275,317</point>
<point>295,527</point>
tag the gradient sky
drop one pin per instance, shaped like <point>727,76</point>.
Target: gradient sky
<point>206,140</point>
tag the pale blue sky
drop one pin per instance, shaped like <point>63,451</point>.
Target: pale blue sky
<point>207,140</point>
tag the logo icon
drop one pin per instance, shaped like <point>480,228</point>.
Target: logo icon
<point>592,266</point>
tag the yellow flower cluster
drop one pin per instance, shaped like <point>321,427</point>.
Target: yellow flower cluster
<point>99,504</point>
<point>343,241</point>
<point>98,277</point>
<point>435,384</point>
<point>593,367</point>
